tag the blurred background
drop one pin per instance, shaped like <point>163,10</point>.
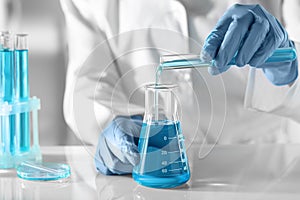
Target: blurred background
<point>43,20</point>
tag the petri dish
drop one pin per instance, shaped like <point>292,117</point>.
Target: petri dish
<point>43,171</point>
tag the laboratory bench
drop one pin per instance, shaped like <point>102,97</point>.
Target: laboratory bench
<point>217,172</point>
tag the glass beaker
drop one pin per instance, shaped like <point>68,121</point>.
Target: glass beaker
<point>163,161</point>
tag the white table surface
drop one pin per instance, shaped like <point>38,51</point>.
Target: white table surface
<point>226,172</point>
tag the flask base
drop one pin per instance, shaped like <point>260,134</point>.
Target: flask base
<point>161,182</point>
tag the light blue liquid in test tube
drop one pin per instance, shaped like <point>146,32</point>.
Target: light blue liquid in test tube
<point>22,90</point>
<point>2,131</point>
<point>7,76</point>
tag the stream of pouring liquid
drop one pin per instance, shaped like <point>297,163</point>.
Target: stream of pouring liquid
<point>157,81</point>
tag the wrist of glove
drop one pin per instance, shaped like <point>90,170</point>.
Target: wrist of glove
<point>252,34</point>
<point>117,150</point>
<point>281,73</point>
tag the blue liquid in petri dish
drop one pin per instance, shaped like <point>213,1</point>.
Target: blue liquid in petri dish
<point>44,171</point>
<point>163,160</point>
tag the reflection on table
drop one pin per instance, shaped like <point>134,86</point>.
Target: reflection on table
<point>222,172</point>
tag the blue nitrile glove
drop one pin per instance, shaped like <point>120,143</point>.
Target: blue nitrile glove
<point>117,150</point>
<point>252,33</point>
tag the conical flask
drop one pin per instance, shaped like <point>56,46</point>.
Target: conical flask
<point>163,160</point>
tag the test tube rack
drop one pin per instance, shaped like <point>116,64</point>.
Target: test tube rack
<point>10,158</point>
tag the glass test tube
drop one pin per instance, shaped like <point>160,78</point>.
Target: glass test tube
<point>8,91</point>
<point>2,35</point>
<point>182,61</point>
<point>2,121</point>
<point>22,90</point>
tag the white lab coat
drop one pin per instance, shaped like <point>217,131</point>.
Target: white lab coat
<point>114,48</point>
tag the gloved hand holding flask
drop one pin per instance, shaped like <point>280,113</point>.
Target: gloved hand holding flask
<point>117,150</point>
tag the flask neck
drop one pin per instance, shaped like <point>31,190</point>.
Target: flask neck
<point>161,103</point>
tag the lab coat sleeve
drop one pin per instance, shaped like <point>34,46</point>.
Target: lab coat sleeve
<point>261,95</point>
<point>89,85</point>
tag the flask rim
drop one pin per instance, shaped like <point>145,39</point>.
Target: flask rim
<point>160,86</point>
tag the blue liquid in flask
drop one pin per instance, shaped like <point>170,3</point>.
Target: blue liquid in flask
<point>163,162</point>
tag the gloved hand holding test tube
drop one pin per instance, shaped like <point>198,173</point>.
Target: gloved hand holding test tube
<point>181,61</point>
